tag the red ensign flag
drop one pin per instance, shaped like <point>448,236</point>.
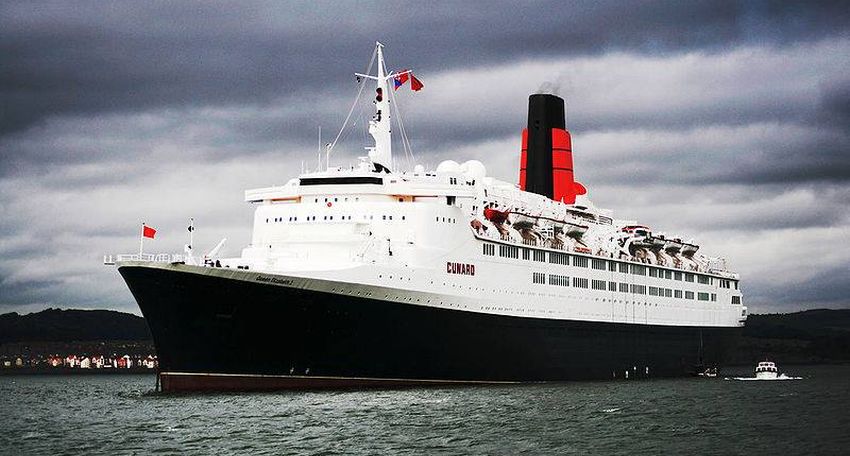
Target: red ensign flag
<point>415,84</point>
<point>148,232</point>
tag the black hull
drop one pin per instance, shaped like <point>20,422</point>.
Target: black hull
<point>218,333</point>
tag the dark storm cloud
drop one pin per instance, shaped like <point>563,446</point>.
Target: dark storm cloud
<point>731,118</point>
<point>62,58</point>
<point>827,288</point>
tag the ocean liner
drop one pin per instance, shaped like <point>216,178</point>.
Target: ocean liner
<point>368,276</point>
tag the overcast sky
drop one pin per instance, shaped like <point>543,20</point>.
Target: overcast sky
<point>726,122</point>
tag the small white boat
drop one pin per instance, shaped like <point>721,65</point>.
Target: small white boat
<point>766,370</point>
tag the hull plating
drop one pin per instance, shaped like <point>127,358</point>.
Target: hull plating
<point>218,333</point>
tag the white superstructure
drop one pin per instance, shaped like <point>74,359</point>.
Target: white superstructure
<point>457,238</point>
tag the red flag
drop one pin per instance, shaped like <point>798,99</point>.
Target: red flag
<point>148,232</point>
<point>415,84</point>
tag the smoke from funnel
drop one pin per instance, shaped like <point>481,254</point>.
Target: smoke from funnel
<point>549,88</point>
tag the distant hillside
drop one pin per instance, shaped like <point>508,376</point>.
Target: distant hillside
<point>811,336</point>
<point>55,325</point>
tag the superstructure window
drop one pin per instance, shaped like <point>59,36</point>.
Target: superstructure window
<point>689,295</point>
<point>559,258</point>
<point>653,291</point>
<point>624,268</point>
<point>689,277</point>
<point>538,277</point>
<point>489,249</point>
<point>677,275</point>
<point>559,280</point>
<point>702,296</point>
<point>612,266</point>
<point>508,251</point>
<point>580,261</point>
<point>736,299</point>
<point>637,289</point>
<point>539,255</point>
<point>668,293</point>
<point>637,269</point>
<point>703,279</point>
<point>653,272</point>
<point>714,297</point>
<point>526,254</point>
<point>668,274</point>
<point>598,264</point>
<point>597,284</point>
<point>624,287</point>
<point>579,282</point>
<point>612,286</point>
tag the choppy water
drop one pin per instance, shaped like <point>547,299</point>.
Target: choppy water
<point>56,415</point>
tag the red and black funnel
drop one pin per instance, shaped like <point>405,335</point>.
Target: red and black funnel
<point>546,164</point>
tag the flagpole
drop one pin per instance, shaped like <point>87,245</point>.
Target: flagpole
<point>141,240</point>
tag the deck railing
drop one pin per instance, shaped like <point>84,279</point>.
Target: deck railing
<point>152,257</point>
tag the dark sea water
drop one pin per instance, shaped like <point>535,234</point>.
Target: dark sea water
<point>115,414</point>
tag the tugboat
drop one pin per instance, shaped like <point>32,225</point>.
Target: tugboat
<point>766,370</point>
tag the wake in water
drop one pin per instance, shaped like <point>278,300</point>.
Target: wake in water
<point>780,377</point>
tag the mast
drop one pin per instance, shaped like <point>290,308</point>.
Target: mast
<point>379,126</point>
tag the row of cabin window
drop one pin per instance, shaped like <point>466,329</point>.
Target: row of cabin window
<point>331,217</point>
<point>626,268</point>
<point>578,282</point>
<point>559,280</point>
<point>336,200</point>
<point>446,219</point>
